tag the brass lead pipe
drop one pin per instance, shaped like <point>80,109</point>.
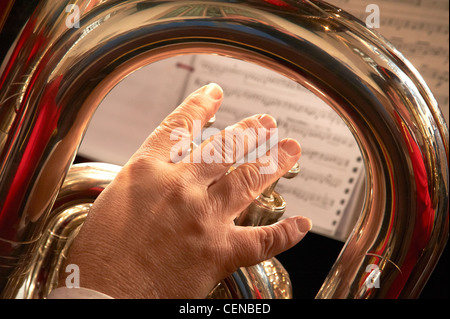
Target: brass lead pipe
<point>57,75</point>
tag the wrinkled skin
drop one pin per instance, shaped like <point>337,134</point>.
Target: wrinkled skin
<point>165,230</point>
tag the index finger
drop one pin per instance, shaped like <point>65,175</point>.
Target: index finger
<point>200,107</point>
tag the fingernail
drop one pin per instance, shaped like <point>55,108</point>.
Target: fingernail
<point>267,121</point>
<point>291,147</point>
<point>214,91</point>
<point>304,224</point>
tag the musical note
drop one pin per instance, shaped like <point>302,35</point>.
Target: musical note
<point>326,178</point>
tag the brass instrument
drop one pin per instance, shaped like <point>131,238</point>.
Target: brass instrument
<point>58,72</point>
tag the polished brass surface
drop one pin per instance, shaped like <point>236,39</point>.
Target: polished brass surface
<point>268,207</point>
<point>55,77</point>
<point>268,192</point>
<point>83,183</point>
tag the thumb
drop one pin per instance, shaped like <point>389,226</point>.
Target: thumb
<point>256,244</point>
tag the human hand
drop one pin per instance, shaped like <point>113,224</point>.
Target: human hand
<point>166,230</point>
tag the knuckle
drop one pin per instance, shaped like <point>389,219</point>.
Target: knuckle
<point>178,120</point>
<point>197,104</point>
<point>172,185</point>
<point>178,185</point>
<point>141,165</point>
<point>139,161</point>
<point>182,190</point>
<point>275,239</point>
<point>222,154</point>
<point>250,122</point>
<point>245,131</point>
<point>250,179</point>
<point>267,243</point>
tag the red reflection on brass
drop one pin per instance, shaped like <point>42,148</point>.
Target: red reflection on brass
<point>424,212</point>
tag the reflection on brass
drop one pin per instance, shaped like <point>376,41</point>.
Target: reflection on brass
<point>56,76</point>
<point>267,208</point>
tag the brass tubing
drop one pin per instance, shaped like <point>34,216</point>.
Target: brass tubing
<point>57,76</point>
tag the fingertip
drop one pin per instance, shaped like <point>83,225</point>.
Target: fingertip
<point>291,147</point>
<point>213,90</point>
<point>267,121</point>
<point>304,224</point>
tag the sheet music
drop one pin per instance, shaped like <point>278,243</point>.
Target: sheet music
<point>419,29</point>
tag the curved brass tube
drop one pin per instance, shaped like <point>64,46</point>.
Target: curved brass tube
<point>56,77</point>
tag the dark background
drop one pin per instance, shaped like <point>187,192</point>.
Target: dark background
<point>309,262</point>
